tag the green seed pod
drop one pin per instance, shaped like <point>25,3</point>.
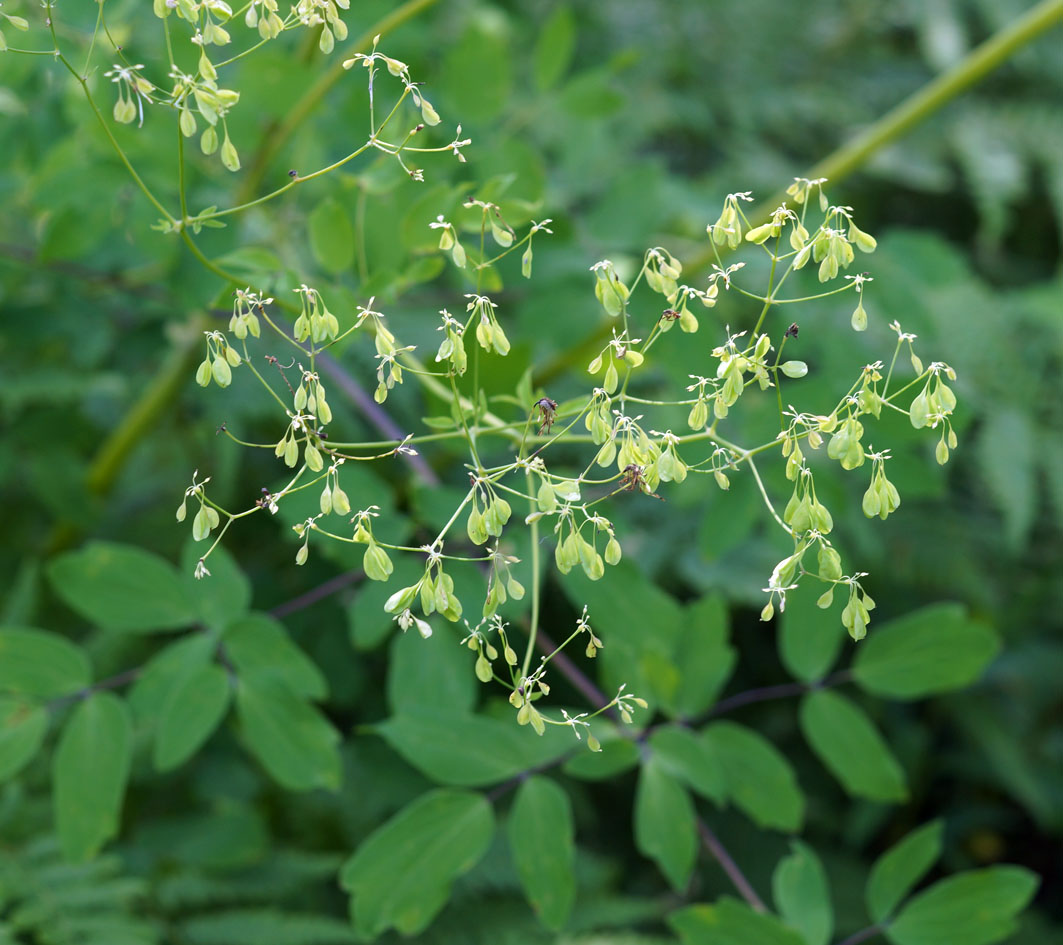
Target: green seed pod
<point>865,242</point>
<point>546,497</point>
<point>491,602</point>
<point>821,518</point>
<point>699,416</point>
<point>291,452</point>
<point>312,458</point>
<point>376,563</point>
<point>919,412</point>
<point>208,141</point>
<point>859,319</point>
<point>501,235</point>
<point>202,523</point>
<point>223,375</point>
<point>830,563</point>
<point>611,378</point>
<point>187,122</point>
<point>341,505</point>
<point>428,113</point>
<point>760,234</point>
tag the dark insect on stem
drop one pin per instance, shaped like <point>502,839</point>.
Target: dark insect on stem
<point>669,315</point>
<point>633,481</point>
<point>791,332</point>
<point>547,413</point>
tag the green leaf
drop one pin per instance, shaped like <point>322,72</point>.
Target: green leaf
<point>252,265</point>
<point>41,663</point>
<point>469,750</point>
<point>809,638</point>
<point>295,743</point>
<point>617,755</point>
<point>555,46</point>
<point>423,674</point>
<point>400,876</point>
<point>540,839</point>
<point>622,611</point>
<point>222,597</point>
<point>195,707</point>
<point>973,908</point>
<point>704,656</point>
<point>1007,445</point>
<point>89,772</point>
<point>935,649</point>
<point>477,75</point>
<point>23,726</point>
<point>266,927</point>
<point>690,758</point>
<point>847,742</point>
<point>122,588</point>
<point>760,780</point>
<point>165,670</point>
<point>590,94</point>
<point>730,922</point>
<point>900,868</point>
<point>258,643</point>
<point>331,236</point>
<point>799,886</point>
<point>665,823</point>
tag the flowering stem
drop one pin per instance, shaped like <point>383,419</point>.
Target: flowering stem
<point>103,124</point>
<point>572,672</point>
<point>533,624</point>
<point>894,124</point>
<point>311,98</point>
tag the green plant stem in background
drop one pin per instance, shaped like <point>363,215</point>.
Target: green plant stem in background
<point>112,454</point>
<point>931,98</point>
<point>838,165</point>
<point>142,416</point>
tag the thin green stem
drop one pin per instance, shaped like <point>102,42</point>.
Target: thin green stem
<point>533,623</point>
<point>311,98</point>
<point>107,131</point>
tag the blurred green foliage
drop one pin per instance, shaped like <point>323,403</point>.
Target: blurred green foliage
<point>626,123</point>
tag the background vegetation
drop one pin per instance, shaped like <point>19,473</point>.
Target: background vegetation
<point>626,123</point>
